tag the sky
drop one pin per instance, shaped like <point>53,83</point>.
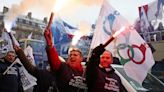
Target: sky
<point>75,12</point>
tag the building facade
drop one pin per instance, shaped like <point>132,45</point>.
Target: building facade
<point>24,25</point>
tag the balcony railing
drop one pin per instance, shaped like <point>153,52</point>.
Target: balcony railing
<point>153,36</point>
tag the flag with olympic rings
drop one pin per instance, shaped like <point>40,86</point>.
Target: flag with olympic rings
<point>133,52</point>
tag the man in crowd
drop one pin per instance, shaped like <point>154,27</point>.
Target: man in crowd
<point>100,75</point>
<point>69,74</point>
<point>10,79</point>
<point>45,79</point>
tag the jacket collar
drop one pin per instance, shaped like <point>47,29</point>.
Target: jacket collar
<point>108,69</point>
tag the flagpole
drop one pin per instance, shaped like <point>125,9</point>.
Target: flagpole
<point>89,54</point>
<point>114,35</point>
<point>9,67</point>
<point>11,37</point>
<point>109,41</point>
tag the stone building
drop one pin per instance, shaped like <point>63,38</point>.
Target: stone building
<point>25,25</point>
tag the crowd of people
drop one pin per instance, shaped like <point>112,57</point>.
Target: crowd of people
<point>69,76</point>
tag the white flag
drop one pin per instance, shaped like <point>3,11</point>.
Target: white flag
<point>29,54</point>
<point>29,36</point>
<point>155,13</point>
<point>7,46</point>
<point>13,39</point>
<point>108,23</point>
<point>27,79</point>
<point>129,47</point>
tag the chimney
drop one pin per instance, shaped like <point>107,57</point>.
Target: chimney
<point>45,20</point>
<point>29,15</point>
<point>5,9</point>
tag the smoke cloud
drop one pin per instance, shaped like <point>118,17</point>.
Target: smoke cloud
<point>43,5</point>
<point>25,5</point>
<point>90,2</point>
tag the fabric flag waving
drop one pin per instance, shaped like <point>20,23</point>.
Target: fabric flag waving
<point>29,54</point>
<point>108,23</point>
<point>29,36</point>
<point>27,79</point>
<point>155,13</point>
<point>7,46</point>
<point>129,47</point>
<point>62,33</point>
<point>144,24</point>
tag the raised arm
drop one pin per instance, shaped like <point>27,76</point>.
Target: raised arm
<point>52,54</point>
<point>91,73</point>
<point>24,60</point>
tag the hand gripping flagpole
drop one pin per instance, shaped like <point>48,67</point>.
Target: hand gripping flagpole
<point>11,37</point>
<point>104,45</point>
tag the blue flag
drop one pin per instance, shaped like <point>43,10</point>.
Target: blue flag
<point>62,33</point>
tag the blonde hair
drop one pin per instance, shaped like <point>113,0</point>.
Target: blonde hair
<point>10,52</point>
<point>75,49</point>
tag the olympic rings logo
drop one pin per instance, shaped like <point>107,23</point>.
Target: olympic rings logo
<point>130,53</point>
